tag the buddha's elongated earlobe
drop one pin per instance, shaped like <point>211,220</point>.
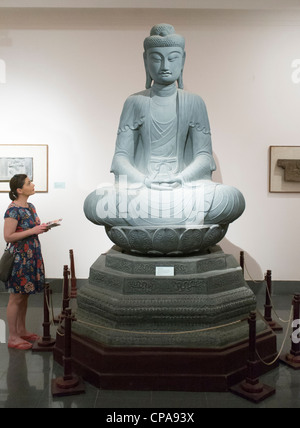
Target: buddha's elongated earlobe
<point>148,77</point>
<point>148,80</point>
<point>180,80</point>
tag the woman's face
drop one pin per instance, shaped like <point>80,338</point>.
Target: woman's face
<point>164,64</point>
<point>28,188</point>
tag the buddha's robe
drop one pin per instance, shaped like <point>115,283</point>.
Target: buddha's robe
<point>147,148</point>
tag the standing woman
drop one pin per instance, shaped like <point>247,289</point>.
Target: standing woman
<point>21,229</point>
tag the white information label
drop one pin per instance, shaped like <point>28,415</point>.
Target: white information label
<point>59,185</point>
<point>164,271</point>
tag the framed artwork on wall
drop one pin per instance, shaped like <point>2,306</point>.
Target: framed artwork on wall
<point>29,159</point>
<point>284,169</point>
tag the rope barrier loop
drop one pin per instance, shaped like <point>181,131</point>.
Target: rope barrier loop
<point>283,343</point>
<point>271,300</point>
<point>161,333</point>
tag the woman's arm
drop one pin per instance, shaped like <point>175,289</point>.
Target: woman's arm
<point>11,236</point>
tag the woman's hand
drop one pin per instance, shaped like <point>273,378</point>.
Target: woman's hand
<point>40,228</point>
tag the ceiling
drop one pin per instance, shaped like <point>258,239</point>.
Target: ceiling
<point>161,4</point>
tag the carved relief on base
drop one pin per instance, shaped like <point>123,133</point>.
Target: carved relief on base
<point>169,240</point>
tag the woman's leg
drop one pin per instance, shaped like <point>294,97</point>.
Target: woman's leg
<point>21,321</point>
<point>16,313</point>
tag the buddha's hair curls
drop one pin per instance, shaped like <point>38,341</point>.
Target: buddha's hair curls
<point>163,35</point>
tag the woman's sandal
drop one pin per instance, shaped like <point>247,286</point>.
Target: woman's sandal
<point>21,345</point>
<point>31,337</point>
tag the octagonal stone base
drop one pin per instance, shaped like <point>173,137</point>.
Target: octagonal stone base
<point>203,301</point>
<point>137,329</point>
<point>166,369</point>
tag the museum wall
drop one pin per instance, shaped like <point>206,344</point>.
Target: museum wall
<point>64,75</point>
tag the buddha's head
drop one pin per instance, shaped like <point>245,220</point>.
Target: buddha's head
<point>164,56</point>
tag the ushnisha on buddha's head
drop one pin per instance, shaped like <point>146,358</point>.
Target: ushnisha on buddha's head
<point>164,56</point>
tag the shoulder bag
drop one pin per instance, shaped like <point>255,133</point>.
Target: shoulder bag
<point>6,264</point>
<point>7,260</point>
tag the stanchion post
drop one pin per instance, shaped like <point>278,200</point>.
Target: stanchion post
<point>66,298</point>
<point>73,293</point>
<point>242,260</point>
<point>251,388</point>
<point>292,359</point>
<point>69,383</point>
<point>268,305</point>
<point>46,343</point>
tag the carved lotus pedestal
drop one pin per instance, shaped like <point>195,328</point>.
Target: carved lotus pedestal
<point>166,241</point>
<point>165,323</point>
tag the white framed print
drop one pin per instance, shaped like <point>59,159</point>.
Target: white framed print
<point>29,159</point>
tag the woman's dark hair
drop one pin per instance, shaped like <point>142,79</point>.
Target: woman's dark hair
<point>16,182</point>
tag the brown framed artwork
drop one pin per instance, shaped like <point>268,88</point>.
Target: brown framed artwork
<point>29,159</point>
<point>284,169</point>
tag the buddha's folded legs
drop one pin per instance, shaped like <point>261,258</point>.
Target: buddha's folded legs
<point>227,205</point>
<point>196,204</point>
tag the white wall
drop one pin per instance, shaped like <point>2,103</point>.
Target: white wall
<point>68,73</point>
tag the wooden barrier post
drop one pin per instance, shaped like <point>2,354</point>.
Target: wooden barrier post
<point>65,297</point>
<point>73,293</point>
<point>69,383</point>
<point>242,260</point>
<point>251,388</point>
<point>268,306</point>
<point>46,343</point>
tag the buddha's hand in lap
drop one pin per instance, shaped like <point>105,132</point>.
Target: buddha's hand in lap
<point>164,182</point>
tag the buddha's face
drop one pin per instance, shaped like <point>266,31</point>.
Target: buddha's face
<point>164,64</point>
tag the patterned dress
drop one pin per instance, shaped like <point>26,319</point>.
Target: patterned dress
<point>28,274</point>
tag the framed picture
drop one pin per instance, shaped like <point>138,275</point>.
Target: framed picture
<point>29,159</point>
<point>284,169</point>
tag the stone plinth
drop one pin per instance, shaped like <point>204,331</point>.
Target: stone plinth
<point>188,331</point>
<point>129,302</point>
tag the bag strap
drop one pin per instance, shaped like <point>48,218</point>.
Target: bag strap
<point>31,211</point>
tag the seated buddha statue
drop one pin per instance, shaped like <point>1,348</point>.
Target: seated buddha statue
<point>163,160</point>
